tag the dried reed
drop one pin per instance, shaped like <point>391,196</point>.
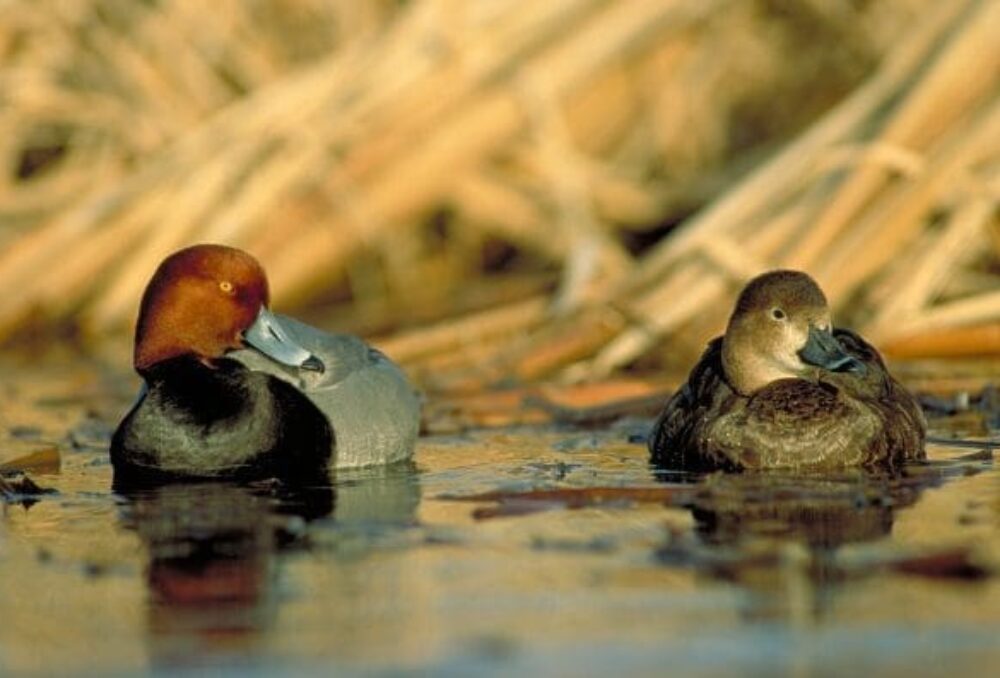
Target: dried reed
<point>338,140</point>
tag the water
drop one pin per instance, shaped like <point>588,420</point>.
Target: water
<point>396,571</point>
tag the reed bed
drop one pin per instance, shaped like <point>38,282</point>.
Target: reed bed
<point>550,190</point>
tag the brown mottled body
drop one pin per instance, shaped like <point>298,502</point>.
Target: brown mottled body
<point>809,416</point>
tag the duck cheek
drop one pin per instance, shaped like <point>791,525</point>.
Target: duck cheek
<point>221,344</point>
<point>791,364</point>
<point>796,337</point>
<point>788,357</point>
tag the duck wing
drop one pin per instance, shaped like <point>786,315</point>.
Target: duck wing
<point>372,408</point>
<point>904,426</point>
<point>675,437</point>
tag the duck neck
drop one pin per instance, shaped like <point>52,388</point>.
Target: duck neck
<point>200,392</point>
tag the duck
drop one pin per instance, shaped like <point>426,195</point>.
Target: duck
<point>232,390</point>
<point>784,389</point>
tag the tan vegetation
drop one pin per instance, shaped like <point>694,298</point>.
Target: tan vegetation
<point>508,175</point>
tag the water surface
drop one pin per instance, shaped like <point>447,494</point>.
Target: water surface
<point>575,559</point>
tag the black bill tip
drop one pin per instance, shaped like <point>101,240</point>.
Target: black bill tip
<point>823,350</point>
<point>313,364</point>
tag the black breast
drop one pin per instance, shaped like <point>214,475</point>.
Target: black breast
<point>223,421</point>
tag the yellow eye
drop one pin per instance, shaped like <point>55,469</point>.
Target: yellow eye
<point>226,286</point>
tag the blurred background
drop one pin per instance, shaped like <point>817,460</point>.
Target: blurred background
<point>543,209</point>
<point>507,190</point>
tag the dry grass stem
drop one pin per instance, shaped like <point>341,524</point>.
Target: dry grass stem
<point>637,160</point>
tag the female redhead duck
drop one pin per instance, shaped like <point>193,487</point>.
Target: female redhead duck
<point>235,391</point>
<point>783,389</point>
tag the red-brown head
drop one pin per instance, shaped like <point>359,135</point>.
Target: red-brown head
<point>201,301</point>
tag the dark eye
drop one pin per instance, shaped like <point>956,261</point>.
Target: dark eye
<point>777,314</point>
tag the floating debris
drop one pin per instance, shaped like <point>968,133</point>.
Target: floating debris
<point>955,563</point>
<point>533,501</point>
<point>21,489</point>
<point>45,459</point>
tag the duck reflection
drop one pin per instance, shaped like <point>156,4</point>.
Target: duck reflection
<point>780,536</point>
<point>820,512</point>
<point>216,549</point>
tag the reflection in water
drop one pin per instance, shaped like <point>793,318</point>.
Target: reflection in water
<point>214,553</point>
<point>386,496</point>
<point>820,512</point>
<point>211,571</point>
<point>780,536</point>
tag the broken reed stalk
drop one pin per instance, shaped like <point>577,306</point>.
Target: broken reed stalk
<point>667,305</point>
<point>215,139</point>
<point>964,71</point>
<point>508,212</point>
<point>384,178</point>
<point>350,152</point>
<point>773,182</point>
<point>949,342</point>
<point>915,286</point>
<point>491,118</point>
<point>453,335</point>
<point>902,210</point>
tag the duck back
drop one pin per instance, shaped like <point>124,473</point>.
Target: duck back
<point>368,401</point>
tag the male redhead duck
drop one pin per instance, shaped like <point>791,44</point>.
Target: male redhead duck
<point>235,391</point>
<point>784,389</point>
